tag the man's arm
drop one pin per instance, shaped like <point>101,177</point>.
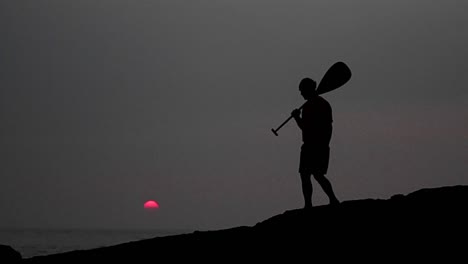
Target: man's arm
<point>296,114</point>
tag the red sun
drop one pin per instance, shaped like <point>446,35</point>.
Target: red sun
<point>151,205</point>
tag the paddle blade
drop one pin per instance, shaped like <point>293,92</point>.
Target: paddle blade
<point>338,74</point>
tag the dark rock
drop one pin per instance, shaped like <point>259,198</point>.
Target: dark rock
<point>422,224</point>
<point>9,255</point>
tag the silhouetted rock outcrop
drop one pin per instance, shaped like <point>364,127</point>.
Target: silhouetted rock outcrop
<point>9,255</point>
<point>424,223</point>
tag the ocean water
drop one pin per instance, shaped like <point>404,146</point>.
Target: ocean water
<point>38,242</point>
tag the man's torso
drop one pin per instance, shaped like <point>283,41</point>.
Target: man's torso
<point>317,122</point>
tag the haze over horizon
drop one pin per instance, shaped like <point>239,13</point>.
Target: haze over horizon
<point>107,104</point>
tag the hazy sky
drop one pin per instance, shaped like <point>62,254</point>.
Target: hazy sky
<point>106,104</point>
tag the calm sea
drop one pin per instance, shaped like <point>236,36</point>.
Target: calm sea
<point>37,242</point>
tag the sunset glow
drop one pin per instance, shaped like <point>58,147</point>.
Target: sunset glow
<point>151,205</point>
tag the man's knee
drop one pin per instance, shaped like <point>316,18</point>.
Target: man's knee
<point>305,176</point>
<point>319,176</point>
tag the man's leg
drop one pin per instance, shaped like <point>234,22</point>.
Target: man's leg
<point>327,187</point>
<point>306,189</point>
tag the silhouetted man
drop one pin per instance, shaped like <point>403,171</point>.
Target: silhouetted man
<point>316,125</point>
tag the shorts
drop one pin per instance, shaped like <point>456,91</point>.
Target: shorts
<point>314,160</point>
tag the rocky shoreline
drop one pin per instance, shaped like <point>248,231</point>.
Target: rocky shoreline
<point>424,222</point>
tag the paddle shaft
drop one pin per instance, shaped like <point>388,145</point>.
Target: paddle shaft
<point>275,131</point>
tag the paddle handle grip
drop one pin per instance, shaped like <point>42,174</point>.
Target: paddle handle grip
<point>275,131</point>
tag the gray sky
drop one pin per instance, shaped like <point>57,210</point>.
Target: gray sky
<point>106,104</point>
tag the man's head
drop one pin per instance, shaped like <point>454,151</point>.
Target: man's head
<point>307,87</point>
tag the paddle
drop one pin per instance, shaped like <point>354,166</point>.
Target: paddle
<point>336,76</point>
